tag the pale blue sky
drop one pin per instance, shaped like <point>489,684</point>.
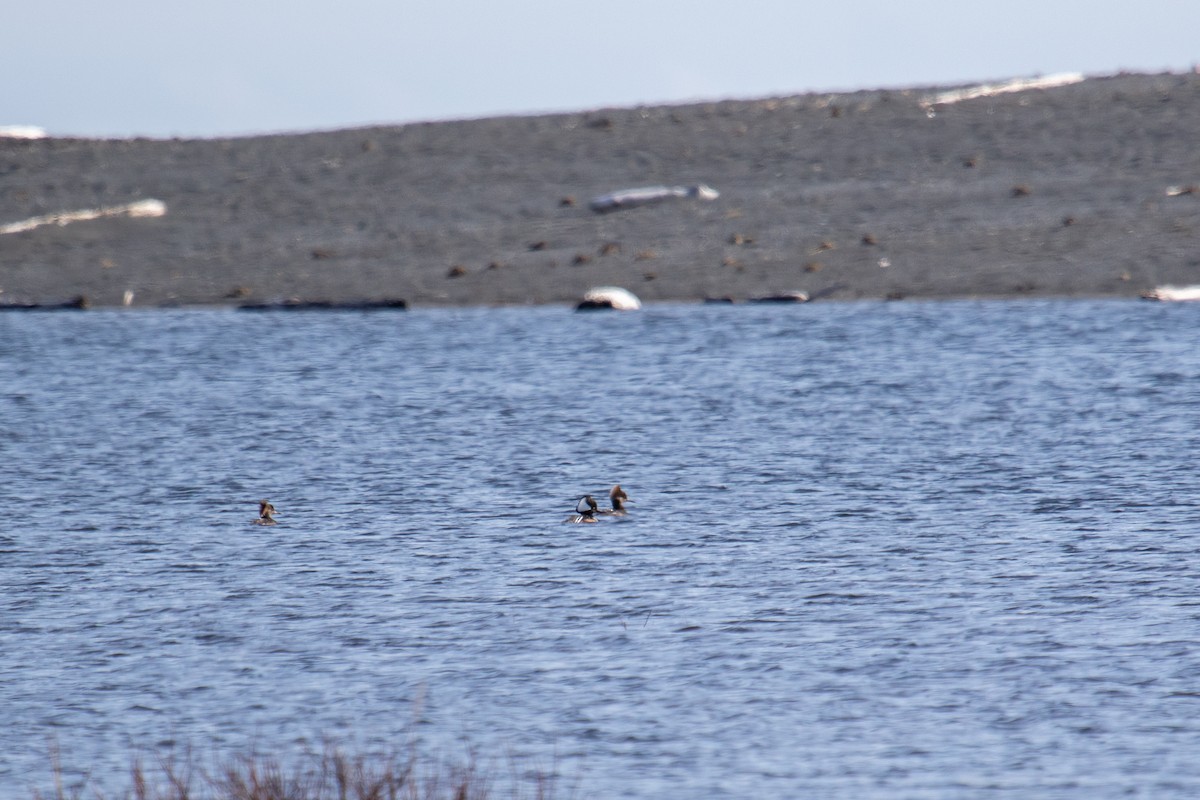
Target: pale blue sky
<point>217,67</point>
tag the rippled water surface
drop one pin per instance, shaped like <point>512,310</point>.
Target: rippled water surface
<point>876,551</point>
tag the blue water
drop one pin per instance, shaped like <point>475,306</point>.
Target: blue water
<point>908,550</point>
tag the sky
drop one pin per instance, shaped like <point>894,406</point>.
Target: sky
<point>204,68</point>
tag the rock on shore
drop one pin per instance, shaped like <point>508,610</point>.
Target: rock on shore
<point>1067,191</point>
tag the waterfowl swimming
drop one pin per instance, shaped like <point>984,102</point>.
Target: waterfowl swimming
<point>617,497</point>
<point>585,510</point>
<point>266,513</point>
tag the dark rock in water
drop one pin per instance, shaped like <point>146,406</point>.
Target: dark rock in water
<point>594,305</point>
<point>327,305</point>
<point>798,297</point>
<point>74,304</point>
<point>785,297</point>
<point>718,301</point>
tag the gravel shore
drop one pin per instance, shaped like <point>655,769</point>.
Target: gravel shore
<point>1085,190</point>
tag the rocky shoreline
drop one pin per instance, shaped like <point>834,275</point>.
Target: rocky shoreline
<point>1083,190</point>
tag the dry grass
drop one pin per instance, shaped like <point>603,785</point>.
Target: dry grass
<point>332,775</point>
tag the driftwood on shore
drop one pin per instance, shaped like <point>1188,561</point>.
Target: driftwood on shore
<point>136,209</point>
<point>609,297</point>
<point>1174,294</point>
<point>1002,87</point>
<point>648,195</point>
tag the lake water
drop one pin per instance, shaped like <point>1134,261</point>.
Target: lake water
<point>920,550</point>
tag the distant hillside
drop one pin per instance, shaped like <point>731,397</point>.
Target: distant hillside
<point>1090,189</point>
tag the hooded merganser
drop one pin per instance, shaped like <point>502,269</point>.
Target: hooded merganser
<point>266,513</point>
<point>585,510</point>
<point>617,497</point>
